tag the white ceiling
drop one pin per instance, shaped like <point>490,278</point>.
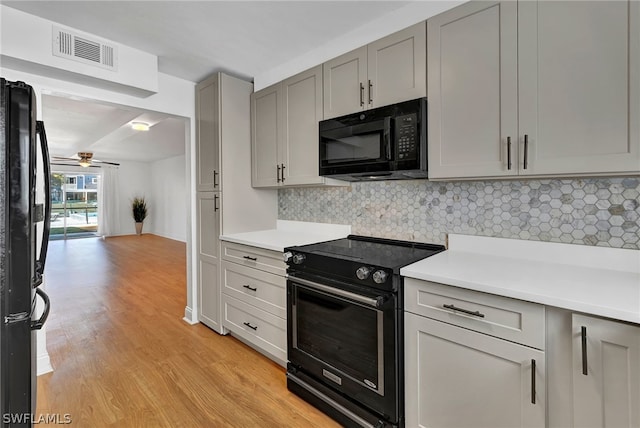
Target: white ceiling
<point>192,39</point>
<point>75,125</point>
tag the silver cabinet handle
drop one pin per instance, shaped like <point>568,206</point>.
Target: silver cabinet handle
<point>509,153</point>
<point>526,151</point>
<point>370,92</point>
<point>361,95</point>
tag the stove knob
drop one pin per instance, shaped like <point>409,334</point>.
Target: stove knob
<point>298,259</point>
<point>287,256</point>
<point>363,272</point>
<point>379,276</point>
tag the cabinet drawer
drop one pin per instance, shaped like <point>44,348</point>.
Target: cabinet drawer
<point>514,320</point>
<point>262,329</point>
<point>258,258</point>
<point>258,288</point>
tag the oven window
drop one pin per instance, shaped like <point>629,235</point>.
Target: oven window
<point>353,148</point>
<point>342,334</point>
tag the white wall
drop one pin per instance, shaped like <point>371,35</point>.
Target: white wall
<point>26,42</point>
<point>394,21</point>
<point>134,179</point>
<point>168,199</point>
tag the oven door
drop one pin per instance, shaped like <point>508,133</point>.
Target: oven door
<point>346,340</point>
<point>351,148</point>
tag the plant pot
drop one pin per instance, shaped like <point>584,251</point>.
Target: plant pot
<point>139,228</point>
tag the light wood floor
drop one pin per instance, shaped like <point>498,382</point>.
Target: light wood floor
<point>123,356</point>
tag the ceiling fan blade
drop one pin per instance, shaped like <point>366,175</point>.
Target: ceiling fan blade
<point>106,162</point>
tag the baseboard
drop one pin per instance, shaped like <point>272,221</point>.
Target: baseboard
<point>43,364</point>
<point>189,317</point>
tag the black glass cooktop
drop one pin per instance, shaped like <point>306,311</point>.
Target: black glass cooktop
<point>386,253</point>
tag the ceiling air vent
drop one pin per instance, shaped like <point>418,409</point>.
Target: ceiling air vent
<point>67,44</point>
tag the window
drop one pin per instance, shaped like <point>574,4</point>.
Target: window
<point>71,180</point>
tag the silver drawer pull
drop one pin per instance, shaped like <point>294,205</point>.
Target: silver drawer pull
<point>248,287</point>
<point>465,311</point>
<point>252,327</point>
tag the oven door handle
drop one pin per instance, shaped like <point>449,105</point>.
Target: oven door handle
<point>375,302</point>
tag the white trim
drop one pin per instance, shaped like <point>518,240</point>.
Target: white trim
<point>43,364</point>
<point>189,316</point>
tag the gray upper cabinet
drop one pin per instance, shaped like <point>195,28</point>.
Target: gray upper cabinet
<point>384,72</point>
<point>284,139</point>
<point>344,80</point>
<point>265,119</point>
<point>298,150</point>
<point>579,73</point>
<point>472,81</point>
<point>534,88</point>
<point>208,135</point>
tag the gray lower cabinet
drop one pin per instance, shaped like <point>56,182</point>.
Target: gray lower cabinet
<point>208,223</point>
<point>534,88</point>
<point>460,378</point>
<point>463,367</point>
<point>254,298</point>
<point>606,373</point>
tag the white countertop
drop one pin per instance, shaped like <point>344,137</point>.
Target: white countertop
<point>289,233</point>
<point>596,280</point>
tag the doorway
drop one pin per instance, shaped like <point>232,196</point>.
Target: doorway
<point>74,204</point>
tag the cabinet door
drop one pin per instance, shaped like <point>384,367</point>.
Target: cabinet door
<point>579,77</point>
<point>302,104</point>
<point>265,117</point>
<point>208,135</point>
<point>345,78</point>
<point>397,67</point>
<point>459,378</point>
<point>608,395</point>
<point>472,86</point>
<point>209,259</point>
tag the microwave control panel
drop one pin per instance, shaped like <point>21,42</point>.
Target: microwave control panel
<point>406,137</point>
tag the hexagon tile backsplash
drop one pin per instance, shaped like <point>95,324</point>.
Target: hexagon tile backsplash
<point>591,211</point>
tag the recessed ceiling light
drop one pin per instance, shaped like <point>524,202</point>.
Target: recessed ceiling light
<point>140,126</point>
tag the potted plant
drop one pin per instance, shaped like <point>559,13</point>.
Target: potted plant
<point>139,208</point>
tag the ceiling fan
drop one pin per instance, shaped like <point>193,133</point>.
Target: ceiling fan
<point>84,159</point>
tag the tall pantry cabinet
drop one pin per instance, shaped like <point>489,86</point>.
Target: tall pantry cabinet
<point>225,200</point>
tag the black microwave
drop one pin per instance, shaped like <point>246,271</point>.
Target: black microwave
<point>386,143</point>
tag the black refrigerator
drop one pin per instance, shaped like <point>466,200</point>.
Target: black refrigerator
<point>24,237</point>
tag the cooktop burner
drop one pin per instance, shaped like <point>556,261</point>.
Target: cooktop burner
<point>387,253</point>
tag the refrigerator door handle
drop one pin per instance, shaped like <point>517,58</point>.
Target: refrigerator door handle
<point>39,271</point>
<point>37,325</point>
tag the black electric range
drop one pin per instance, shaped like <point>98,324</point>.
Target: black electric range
<point>345,326</point>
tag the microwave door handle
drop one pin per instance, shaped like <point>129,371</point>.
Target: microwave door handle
<point>387,137</point>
